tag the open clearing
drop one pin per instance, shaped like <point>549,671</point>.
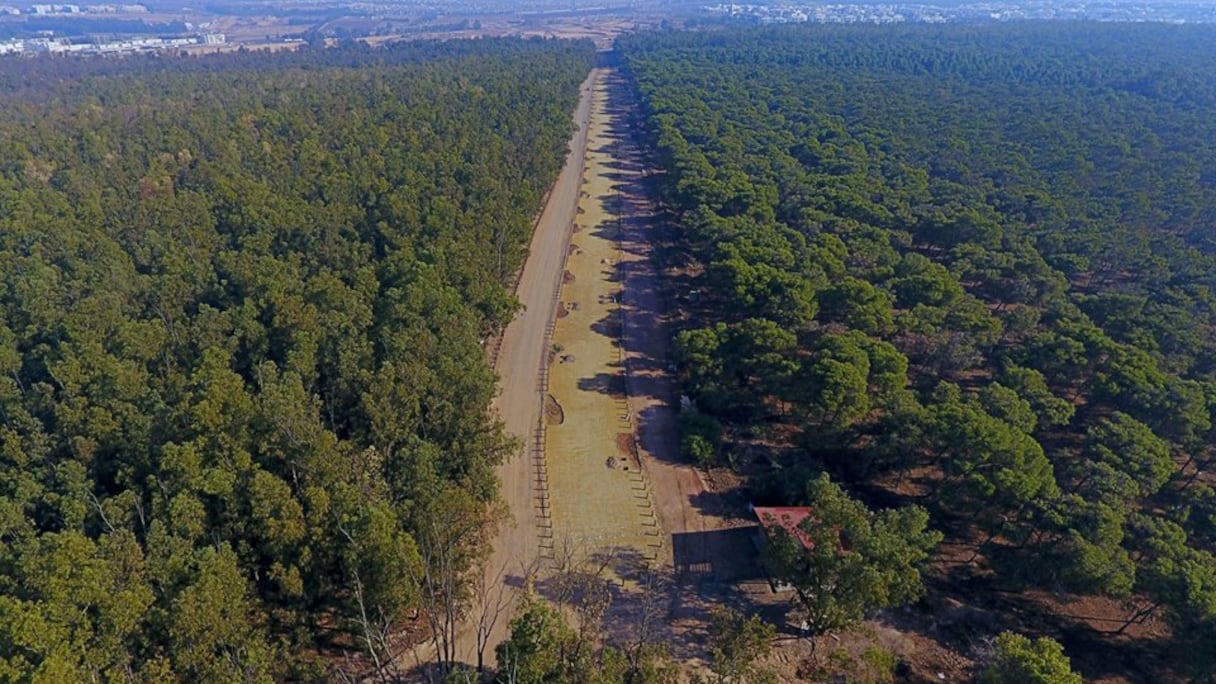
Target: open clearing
<point>601,475</point>
<point>619,491</point>
<point>600,498</point>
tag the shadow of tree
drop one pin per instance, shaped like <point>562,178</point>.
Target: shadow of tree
<point>611,384</point>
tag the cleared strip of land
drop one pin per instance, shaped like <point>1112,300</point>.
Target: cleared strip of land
<point>584,385</point>
<point>519,361</point>
<point>600,498</point>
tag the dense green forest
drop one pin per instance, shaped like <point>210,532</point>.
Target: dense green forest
<point>969,269</point>
<point>244,408</point>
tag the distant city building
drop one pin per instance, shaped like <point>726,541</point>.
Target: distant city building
<point>60,46</point>
<point>55,9</point>
<point>939,11</point>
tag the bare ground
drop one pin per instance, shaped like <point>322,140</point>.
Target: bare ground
<point>600,498</point>
<point>706,558</point>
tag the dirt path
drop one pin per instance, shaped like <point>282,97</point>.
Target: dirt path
<point>708,553</point>
<point>519,361</point>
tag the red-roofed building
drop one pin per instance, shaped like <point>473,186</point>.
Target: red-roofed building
<point>788,518</point>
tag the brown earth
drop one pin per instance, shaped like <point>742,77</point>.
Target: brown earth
<point>596,511</point>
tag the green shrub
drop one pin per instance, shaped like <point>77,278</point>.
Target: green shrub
<point>700,437</point>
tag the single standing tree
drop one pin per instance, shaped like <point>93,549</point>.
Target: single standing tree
<point>1131,448</point>
<point>736,644</point>
<point>1172,573</point>
<point>538,648</point>
<point>846,559</point>
<point>1018,660</point>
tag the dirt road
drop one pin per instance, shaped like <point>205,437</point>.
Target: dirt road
<point>520,357</point>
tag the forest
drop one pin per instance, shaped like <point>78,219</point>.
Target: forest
<point>244,404</point>
<point>960,282</point>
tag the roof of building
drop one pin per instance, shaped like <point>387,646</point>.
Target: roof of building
<point>787,517</point>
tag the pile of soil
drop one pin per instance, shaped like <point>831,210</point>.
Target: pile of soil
<point>554,413</point>
<point>627,445</point>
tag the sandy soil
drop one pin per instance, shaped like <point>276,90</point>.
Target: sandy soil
<point>703,538</point>
<point>600,498</point>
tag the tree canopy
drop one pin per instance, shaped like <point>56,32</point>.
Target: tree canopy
<point>1020,660</point>
<point>241,306</point>
<point>985,255</point>
<point>856,560</point>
